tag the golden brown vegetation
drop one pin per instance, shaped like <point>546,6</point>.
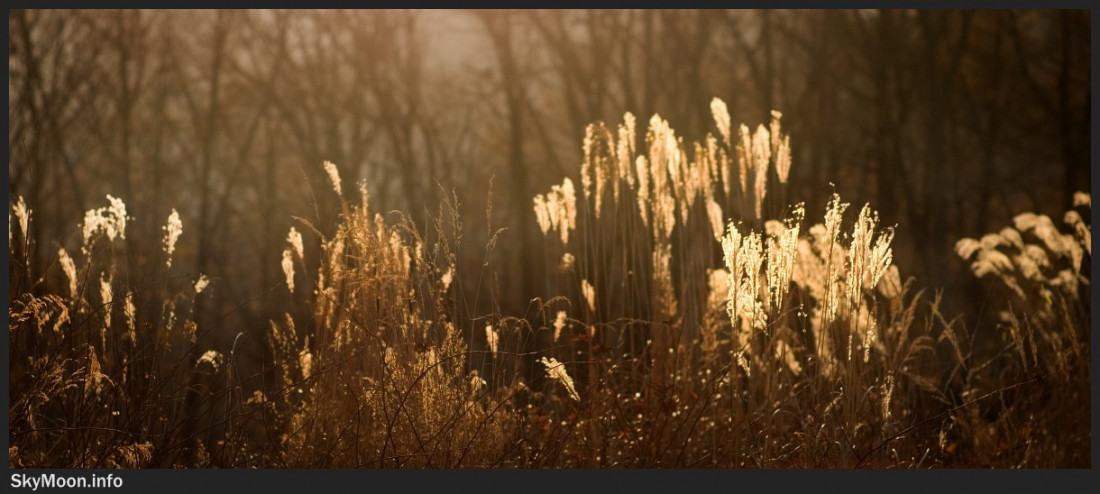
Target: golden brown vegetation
<point>688,318</point>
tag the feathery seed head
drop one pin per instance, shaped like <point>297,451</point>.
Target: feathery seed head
<point>22,217</point>
<point>542,213</point>
<point>295,240</point>
<point>743,363</point>
<point>288,268</point>
<point>69,268</point>
<point>834,214</point>
<point>109,220</point>
<point>305,362</point>
<point>714,214</point>
<point>966,247</point>
<point>642,167</point>
<point>782,252</point>
<point>889,285</point>
<point>783,159</point>
<point>557,209</point>
<point>859,254</point>
<point>213,358</point>
<point>882,256</point>
<point>761,156</point>
<point>721,114</point>
<point>589,294</point>
<point>774,130</point>
<point>1082,199</point>
<point>567,261</point>
<point>559,324</point>
<point>447,278</point>
<point>731,244</point>
<point>569,204</point>
<point>556,371</point>
<point>130,312</point>
<point>201,283</point>
<point>117,210</point>
<point>333,176</point>
<point>744,156</point>
<point>491,338</point>
<point>887,395</point>
<point>626,149</point>
<point>172,231</point>
<point>106,297</point>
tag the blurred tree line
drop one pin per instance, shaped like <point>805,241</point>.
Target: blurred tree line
<point>948,122</point>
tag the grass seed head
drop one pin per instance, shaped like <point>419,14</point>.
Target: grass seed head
<point>172,231</point>
<point>556,371</point>
<point>333,177</point>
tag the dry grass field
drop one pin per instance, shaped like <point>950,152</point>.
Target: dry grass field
<point>690,310</point>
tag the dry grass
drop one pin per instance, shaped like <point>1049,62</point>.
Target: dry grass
<point>688,318</point>
<point>1039,286</point>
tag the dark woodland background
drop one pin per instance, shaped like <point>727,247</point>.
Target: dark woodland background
<point>947,122</point>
